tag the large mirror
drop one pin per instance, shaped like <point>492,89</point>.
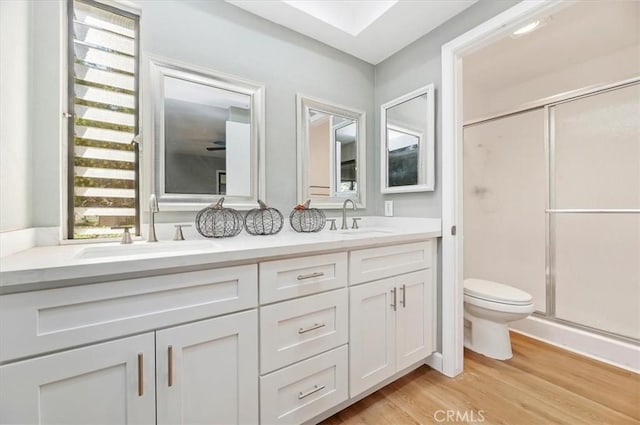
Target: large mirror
<point>407,141</point>
<point>331,153</point>
<point>208,132</point>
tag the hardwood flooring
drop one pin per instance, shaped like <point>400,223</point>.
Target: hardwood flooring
<point>541,384</point>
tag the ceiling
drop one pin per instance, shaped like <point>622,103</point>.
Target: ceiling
<point>582,31</point>
<point>371,30</point>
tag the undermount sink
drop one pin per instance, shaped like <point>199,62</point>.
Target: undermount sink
<point>146,248</point>
<point>365,232</point>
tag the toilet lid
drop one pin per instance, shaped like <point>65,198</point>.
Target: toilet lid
<point>496,292</point>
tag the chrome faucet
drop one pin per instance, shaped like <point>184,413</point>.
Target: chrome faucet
<point>344,213</point>
<point>153,209</point>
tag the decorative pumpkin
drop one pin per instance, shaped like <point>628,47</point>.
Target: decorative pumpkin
<point>216,221</point>
<point>305,219</point>
<point>263,220</point>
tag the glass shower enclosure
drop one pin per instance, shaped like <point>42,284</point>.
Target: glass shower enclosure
<point>552,206</point>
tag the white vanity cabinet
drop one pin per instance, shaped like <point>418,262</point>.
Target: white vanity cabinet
<point>207,372</point>
<point>392,320</point>
<point>213,365</point>
<point>213,359</point>
<point>303,351</point>
<point>110,383</point>
<point>285,339</point>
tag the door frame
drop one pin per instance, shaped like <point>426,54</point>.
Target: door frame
<point>452,135</point>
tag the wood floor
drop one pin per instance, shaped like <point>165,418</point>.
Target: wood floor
<point>540,385</point>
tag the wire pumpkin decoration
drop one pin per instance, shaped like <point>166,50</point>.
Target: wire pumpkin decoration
<point>306,220</point>
<point>216,221</point>
<point>263,220</point>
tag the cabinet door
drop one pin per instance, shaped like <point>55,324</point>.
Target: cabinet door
<point>207,372</point>
<point>109,383</point>
<point>372,342</point>
<point>415,319</point>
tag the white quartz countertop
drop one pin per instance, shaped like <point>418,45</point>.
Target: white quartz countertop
<point>65,265</point>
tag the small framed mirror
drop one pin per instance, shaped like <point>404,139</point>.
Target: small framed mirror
<point>208,131</point>
<point>407,140</point>
<point>331,153</point>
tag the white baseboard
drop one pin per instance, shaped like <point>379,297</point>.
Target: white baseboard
<point>608,350</point>
<point>19,240</point>
<point>435,362</point>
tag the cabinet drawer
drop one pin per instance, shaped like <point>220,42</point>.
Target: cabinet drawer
<point>300,392</point>
<point>41,321</point>
<point>377,263</point>
<point>294,330</point>
<point>285,279</point>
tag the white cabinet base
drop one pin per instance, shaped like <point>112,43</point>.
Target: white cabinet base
<point>392,326</point>
<point>372,341</point>
<point>101,383</point>
<point>297,393</point>
<point>214,370</point>
<point>353,400</point>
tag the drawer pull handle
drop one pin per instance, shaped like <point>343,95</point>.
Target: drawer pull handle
<point>310,275</point>
<point>140,375</point>
<point>403,301</point>
<point>311,328</point>
<point>395,300</point>
<point>170,361</point>
<point>315,389</point>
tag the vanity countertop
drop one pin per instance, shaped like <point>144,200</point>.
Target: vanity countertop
<point>66,265</point>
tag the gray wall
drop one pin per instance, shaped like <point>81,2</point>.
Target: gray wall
<point>47,124</point>
<point>412,67</point>
<point>15,149</point>
<point>222,37</point>
<point>211,34</point>
<point>192,173</point>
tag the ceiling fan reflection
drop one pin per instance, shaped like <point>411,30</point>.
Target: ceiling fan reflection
<point>221,145</point>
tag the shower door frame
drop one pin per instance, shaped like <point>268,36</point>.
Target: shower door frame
<point>452,324</point>
<point>547,105</point>
<point>550,211</point>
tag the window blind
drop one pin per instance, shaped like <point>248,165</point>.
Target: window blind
<point>103,96</point>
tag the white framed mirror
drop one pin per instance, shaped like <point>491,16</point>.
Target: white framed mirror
<point>208,132</point>
<point>407,136</point>
<point>331,153</point>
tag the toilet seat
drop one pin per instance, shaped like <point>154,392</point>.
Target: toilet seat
<point>486,290</point>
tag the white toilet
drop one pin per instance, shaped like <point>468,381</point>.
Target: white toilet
<point>488,308</point>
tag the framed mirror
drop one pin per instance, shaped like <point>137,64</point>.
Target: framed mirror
<point>208,131</point>
<point>407,139</point>
<point>331,153</point>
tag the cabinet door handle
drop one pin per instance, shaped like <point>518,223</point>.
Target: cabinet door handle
<point>403,288</point>
<point>311,328</point>
<point>140,374</point>
<point>393,304</point>
<point>314,390</point>
<point>170,362</point>
<point>310,275</point>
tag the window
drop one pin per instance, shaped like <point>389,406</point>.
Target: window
<point>103,100</point>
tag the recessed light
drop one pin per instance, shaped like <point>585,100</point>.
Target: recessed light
<point>532,26</point>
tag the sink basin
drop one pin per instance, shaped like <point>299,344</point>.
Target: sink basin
<point>365,232</point>
<point>146,248</point>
